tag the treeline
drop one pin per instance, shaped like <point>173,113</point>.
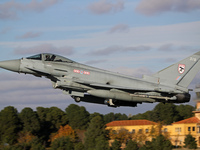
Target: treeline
<point>166,113</point>
<point>45,127</point>
<point>17,128</point>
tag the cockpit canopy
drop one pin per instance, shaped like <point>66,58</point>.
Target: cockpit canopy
<point>50,57</point>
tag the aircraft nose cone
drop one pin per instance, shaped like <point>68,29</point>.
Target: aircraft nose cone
<point>12,65</point>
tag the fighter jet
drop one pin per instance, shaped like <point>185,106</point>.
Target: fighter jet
<point>88,84</point>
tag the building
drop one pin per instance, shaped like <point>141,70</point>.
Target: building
<point>131,125</point>
<point>139,130</point>
<point>176,132</point>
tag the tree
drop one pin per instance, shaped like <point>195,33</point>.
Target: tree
<point>140,116</point>
<point>9,125</point>
<point>156,130</point>
<point>13,147</point>
<point>63,143</point>
<point>159,113</point>
<point>140,136</point>
<point>96,128</point>
<point>109,117</point>
<point>64,131</point>
<point>158,143</point>
<point>25,137</point>
<point>190,142</point>
<point>79,146</point>
<point>161,143</point>
<point>131,145</point>
<point>116,145</point>
<point>122,135</point>
<point>175,113</point>
<point>147,146</point>
<point>51,119</point>
<point>30,121</point>
<point>119,116</point>
<point>102,143</point>
<point>37,145</point>
<point>78,116</point>
<point>57,117</point>
<point>94,115</point>
<point>29,141</point>
<point>185,111</point>
<point>112,117</point>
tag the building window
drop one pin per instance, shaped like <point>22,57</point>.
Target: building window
<point>140,130</point>
<point>165,129</point>
<point>177,129</point>
<point>147,130</point>
<point>198,129</point>
<point>133,131</point>
<point>193,128</point>
<point>189,128</point>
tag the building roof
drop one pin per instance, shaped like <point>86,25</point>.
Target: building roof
<point>130,123</point>
<point>189,120</point>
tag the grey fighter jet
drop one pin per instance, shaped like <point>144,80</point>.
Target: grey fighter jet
<point>89,84</point>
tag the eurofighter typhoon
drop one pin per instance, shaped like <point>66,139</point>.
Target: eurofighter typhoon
<point>88,84</point>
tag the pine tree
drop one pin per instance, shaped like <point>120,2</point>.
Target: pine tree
<point>30,121</point>
<point>78,116</point>
<point>102,143</point>
<point>95,130</point>
<point>9,125</point>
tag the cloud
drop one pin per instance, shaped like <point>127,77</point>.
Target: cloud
<point>172,47</point>
<point>26,90</point>
<point>155,7</point>
<point>45,48</point>
<point>119,28</point>
<point>18,83</point>
<point>106,6</point>
<point>114,49</point>
<point>166,47</point>
<point>171,60</point>
<point>153,36</point>
<point>10,10</point>
<point>5,30</point>
<point>28,35</point>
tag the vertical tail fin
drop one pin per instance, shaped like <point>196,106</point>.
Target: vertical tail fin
<point>181,73</point>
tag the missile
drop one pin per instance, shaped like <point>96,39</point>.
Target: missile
<point>112,94</point>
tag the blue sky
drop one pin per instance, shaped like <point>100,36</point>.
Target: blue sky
<point>132,37</point>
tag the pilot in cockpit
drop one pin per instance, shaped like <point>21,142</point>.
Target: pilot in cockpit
<point>47,58</point>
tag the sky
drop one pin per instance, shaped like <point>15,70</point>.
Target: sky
<point>132,37</point>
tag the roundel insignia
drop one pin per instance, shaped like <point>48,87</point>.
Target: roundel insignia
<point>181,68</point>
